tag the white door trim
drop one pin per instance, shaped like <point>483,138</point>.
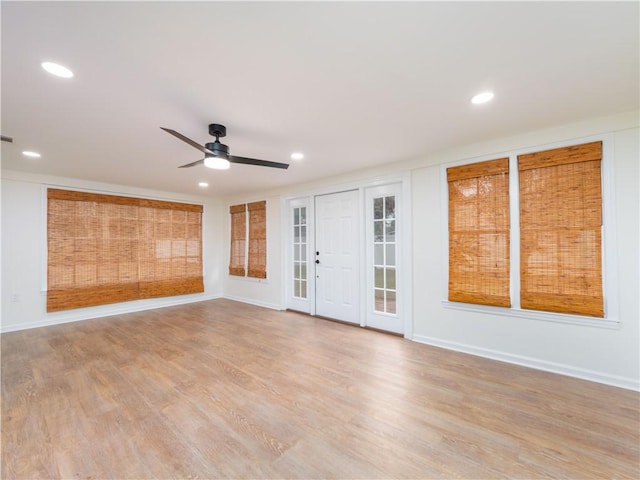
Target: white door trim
<point>289,300</point>
<point>391,322</point>
<point>407,271</point>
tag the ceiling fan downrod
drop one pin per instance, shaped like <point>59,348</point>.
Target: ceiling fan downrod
<point>218,149</point>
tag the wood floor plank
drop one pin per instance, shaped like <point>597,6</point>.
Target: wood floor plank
<point>219,389</point>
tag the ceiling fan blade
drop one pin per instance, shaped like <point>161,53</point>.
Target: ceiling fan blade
<point>192,164</point>
<point>5,138</point>
<point>187,140</point>
<point>254,161</point>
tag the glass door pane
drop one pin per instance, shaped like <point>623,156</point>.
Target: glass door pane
<point>299,252</point>
<point>384,254</point>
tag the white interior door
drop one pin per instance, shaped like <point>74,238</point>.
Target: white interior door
<point>337,256</point>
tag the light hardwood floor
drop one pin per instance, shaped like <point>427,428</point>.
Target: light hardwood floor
<point>220,389</point>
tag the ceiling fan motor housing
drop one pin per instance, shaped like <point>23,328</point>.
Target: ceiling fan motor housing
<point>219,149</point>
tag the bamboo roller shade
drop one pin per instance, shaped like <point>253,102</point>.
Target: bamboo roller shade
<point>105,248</point>
<point>253,264</point>
<point>479,233</point>
<point>257,265</point>
<point>560,230</point>
<point>238,239</point>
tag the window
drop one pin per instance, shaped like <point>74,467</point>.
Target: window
<point>479,233</point>
<point>558,196</point>
<point>248,254</point>
<point>299,252</point>
<point>560,230</point>
<point>384,254</point>
<point>257,239</point>
<point>104,249</point>
<point>238,239</point>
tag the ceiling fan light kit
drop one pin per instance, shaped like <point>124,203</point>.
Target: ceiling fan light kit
<point>217,163</point>
<point>216,154</point>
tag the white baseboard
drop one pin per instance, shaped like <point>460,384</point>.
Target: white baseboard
<point>130,307</point>
<point>251,301</point>
<point>613,380</point>
<point>79,315</point>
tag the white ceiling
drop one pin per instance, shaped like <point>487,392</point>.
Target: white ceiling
<point>349,84</point>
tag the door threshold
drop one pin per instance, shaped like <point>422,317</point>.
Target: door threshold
<point>350,324</point>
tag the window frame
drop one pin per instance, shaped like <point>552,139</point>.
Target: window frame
<point>117,198</point>
<point>235,268</point>
<point>479,173</point>
<point>256,253</point>
<point>250,275</point>
<point>608,249</point>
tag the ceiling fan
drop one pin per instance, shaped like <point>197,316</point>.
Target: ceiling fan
<point>216,154</point>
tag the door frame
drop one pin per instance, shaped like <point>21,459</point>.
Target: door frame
<point>374,319</point>
<point>308,305</point>
<point>405,295</point>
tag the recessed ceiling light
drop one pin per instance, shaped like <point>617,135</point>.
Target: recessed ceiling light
<point>57,70</point>
<point>27,153</point>
<point>297,156</point>
<point>203,184</point>
<point>483,97</point>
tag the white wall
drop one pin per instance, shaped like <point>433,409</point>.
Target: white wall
<point>602,354</point>
<point>263,292</point>
<point>24,248</point>
<point>606,355</point>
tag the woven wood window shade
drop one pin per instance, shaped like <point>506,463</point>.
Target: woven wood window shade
<point>105,249</point>
<point>560,230</point>
<point>237,258</point>
<point>170,249</point>
<point>479,233</point>
<point>257,267</point>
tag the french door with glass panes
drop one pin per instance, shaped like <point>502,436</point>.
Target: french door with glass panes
<point>383,255</point>
<point>298,291</point>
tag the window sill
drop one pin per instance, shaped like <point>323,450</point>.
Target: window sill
<point>534,315</point>
<point>248,279</point>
